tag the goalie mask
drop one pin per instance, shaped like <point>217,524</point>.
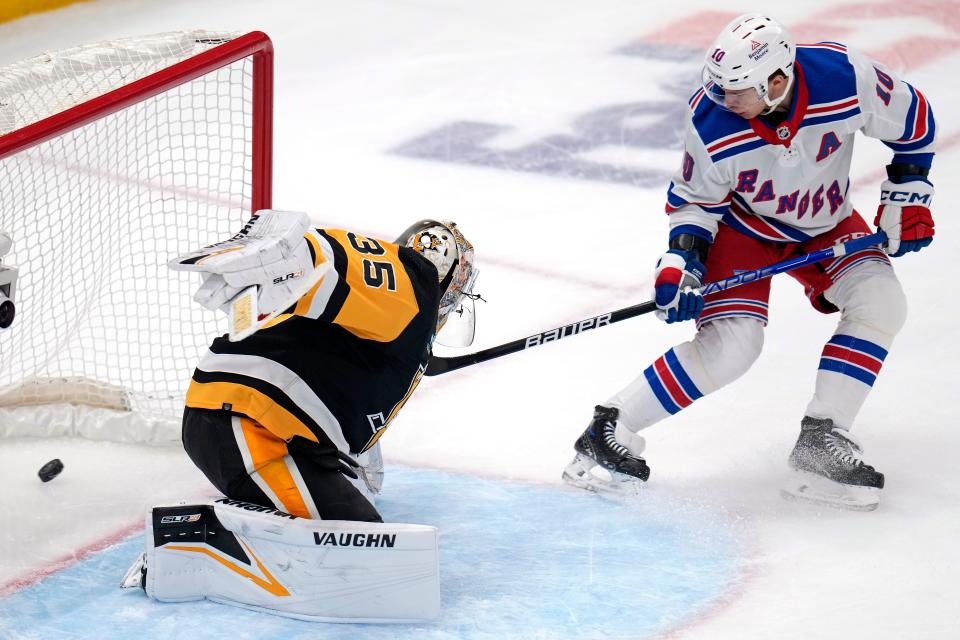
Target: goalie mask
<point>452,254</point>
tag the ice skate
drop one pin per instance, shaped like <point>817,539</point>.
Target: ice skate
<point>602,464</point>
<point>829,469</point>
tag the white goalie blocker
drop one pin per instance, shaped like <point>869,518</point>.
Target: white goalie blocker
<point>259,272</point>
<point>259,558</point>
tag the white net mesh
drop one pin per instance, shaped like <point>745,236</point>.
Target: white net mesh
<point>95,214</point>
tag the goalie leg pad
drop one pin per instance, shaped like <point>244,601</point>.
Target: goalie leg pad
<point>259,558</point>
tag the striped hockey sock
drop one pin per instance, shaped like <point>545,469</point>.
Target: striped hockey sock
<point>721,352</point>
<point>670,383</point>
<point>663,389</point>
<point>848,368</point>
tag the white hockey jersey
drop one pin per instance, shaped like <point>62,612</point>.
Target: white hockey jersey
<point>789,183</point>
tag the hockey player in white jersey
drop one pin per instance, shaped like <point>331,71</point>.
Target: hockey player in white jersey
<point>764,177</point>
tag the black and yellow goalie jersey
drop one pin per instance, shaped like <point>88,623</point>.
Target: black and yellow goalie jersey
<point>337,366</point>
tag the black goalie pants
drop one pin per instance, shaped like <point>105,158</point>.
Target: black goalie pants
<point>247,462</point>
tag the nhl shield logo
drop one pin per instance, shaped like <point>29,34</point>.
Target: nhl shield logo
<point>783,132</point>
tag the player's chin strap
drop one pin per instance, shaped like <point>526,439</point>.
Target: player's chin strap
<point>438,365</point>
<point>773,104</point>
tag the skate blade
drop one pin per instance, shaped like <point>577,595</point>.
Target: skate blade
<point>584,473</point>
<point>133,578</point>
<point>815,489</point>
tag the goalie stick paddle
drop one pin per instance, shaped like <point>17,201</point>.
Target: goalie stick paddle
<point>438,364</point>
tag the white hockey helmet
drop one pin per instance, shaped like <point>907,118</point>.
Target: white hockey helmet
<point>451,253</point>
<point>746,53</point>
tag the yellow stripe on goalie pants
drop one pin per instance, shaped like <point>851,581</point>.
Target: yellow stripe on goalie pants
<point>381,302</point>
<point>251,403</point>
<point>268,454</point>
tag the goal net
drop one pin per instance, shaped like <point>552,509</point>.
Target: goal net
<point>114,158</point>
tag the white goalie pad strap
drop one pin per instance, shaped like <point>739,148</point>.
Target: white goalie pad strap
<point>258,558</point>
<point>370,472</point>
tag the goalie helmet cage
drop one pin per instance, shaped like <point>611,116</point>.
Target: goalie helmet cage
<point>114,158</point>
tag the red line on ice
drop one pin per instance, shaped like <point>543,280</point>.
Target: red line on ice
<point>33,577</point>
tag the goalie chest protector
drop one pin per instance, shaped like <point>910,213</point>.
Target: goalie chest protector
<point>336,367</point>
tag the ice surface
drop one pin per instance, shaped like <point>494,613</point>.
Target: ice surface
<point>359,82</point>
<point>583,567</point>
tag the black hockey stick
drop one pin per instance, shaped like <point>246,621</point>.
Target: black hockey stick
<point>438,365</point>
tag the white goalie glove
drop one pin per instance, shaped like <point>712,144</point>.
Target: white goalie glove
<point>257,273</point>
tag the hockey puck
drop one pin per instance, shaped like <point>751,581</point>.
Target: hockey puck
<point>50,470</point>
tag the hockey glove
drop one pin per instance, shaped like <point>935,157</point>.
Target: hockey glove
<point>324,459</point>
<point>676,283</point>
<point>269,253</point>
<point>347,465</point>
<point>904,214</point>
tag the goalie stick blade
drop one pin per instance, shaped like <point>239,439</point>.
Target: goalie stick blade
<point>244,315</point>
<point>814,489</point>
<point>585,473</point>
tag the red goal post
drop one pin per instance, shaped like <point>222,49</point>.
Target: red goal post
<point>256,45</point>
<point>115,157</point>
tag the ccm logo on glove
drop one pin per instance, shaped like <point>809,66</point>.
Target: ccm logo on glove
<point>907,197</point>
<point>904,214</point>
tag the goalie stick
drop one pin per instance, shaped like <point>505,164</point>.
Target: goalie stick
<point>438,365</point>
